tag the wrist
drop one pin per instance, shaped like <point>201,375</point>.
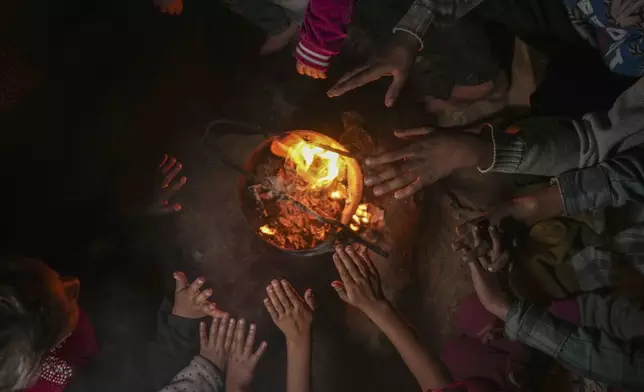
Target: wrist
<point>377,309</point>
<point>500,309</point>
<point>299,341</point>
<point>406,39</point>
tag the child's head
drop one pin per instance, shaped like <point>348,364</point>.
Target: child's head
<point>38,310</point>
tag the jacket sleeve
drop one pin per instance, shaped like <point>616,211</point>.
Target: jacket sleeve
<point>584,350</point>
<point>177,342</point>
<point>323,31</point>
<point>597,161</point>
<point>199,376</point>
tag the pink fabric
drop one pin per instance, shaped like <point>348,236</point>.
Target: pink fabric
<point>472,317</point>
<point>76,350</point>
<point>567,309</point>
<point>323,31</point>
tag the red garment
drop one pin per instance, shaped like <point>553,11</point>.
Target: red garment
<point>323,31</point>
<point>71,354</point>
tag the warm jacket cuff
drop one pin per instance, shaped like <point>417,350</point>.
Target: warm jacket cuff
<point>584,190</point>
<point>416,21</point>
<point>508,153</point>
<point>307,55</point>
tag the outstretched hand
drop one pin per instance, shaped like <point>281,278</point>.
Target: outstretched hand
<point>292,314</point>
<point>395,61</point>
<point>192,302</point>
<point>215,345</point>
<point>360,285</point>
<point>168,187</point>
<point>425,161</point>
<point>243,360</point>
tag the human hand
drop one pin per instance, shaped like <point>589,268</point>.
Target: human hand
<point>360,285</point>
<point>426,161</point>
<point>190,301</point>
<point>215,346</point>
<point>483,268</point>
<point>395,61</point>
<point>530,209</point>
<point>167,171</point>
<point>172,7</point>
<point>315,73</point>
<point>292,314</point>
<point>242,359</point>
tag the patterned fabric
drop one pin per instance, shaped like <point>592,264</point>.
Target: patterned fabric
<point>584,350</point>
<point>616,27</point>
<point>199,376</point>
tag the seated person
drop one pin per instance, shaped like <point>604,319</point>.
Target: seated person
<point>46,337</point>
<point>594,335</point>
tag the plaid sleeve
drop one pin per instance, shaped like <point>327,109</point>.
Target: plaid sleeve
<point>424,13</point>
<point>586,351</point>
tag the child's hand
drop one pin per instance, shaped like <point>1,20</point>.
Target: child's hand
<point>172,7</point>
<point>190,301</point>
<point>292,314</point>
<point>485,279</point>
<point>479,241</point>
<point>360,284</point>
<point>304,69</point>
<point>167,188</point>
<point>215,346</point>
<point>242,360</point>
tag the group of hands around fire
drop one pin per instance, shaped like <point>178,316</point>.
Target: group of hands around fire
<point>230,344</point>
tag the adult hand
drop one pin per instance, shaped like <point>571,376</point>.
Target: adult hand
<point>215,346</point>
<point>395,61</point>
<point>190,301</point>
<point>167,171</point>
<point>292,314</point>
<point>426,161</point>
<point>360,285</point>
<point>172,7</point>
<point>484,277</point>
<point>242,360</point>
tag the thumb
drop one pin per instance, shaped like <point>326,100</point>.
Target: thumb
<point>412,132</point>
<point>180,281</point>
<point>394,89</point>
<point>340,289</point>
<point>309,299</point>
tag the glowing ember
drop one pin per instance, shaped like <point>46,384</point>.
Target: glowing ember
<point>267,230</point>
<point>322,180</point>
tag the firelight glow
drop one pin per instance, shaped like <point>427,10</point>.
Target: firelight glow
<point>321,174</point>
<point>266,229</point>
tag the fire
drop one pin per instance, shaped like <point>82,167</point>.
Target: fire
<point>361,217</point>
<point>322,180</point>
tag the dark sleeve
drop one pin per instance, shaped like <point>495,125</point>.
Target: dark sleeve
<point>176,344</point>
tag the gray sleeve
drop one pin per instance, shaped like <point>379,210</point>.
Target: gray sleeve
<point>602,145</point>
<point>615,315</point>
<point>265,14</point>
<point>199,376</point>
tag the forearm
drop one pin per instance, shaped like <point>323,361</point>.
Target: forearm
<point>427,371</point>
<point>298,371</point>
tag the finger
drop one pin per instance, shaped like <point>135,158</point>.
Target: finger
<point>170,176</point>
<point>163,161</point>
<point>348,262</point>
<point>412,133</point>
<point>169,165</point>
<point>291,294</point>
<point>334,91</point>
<point>178,185</point>
<point>271,309</point>
<point>250,341</point>
<point>322,75</point>
<point>476,235</point>
<point>221,331</point>
<point>212,310</point>
<point>485,262</point>
<point>229,334</point>
<point>496,242</point>
<point>368,263</point>
<point>499,263</point>
<point>300,68</point>
<point>394,89</point>
<point>258,354</point>
<point>240,331</point>
<point>309,298</point>
<point>410,189</point>
<point>181,282</point>
<point>341,290</point>
<point>281,295</point>
<point>391,157</point>
<point>196,285</point>
<point>275,301</point>
<point>214,329</point>
<point>203,340</point>
<point>342,270</point>
<point>357,261</point>
<point>387,173</point>
<point>202,296</point>
<point>168,209</point>
<point>402,181</point>
<point>366,76</point>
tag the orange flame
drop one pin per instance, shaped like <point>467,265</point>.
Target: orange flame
<point>266,229</point>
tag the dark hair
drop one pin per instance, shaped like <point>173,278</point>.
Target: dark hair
<point>31,321</point>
